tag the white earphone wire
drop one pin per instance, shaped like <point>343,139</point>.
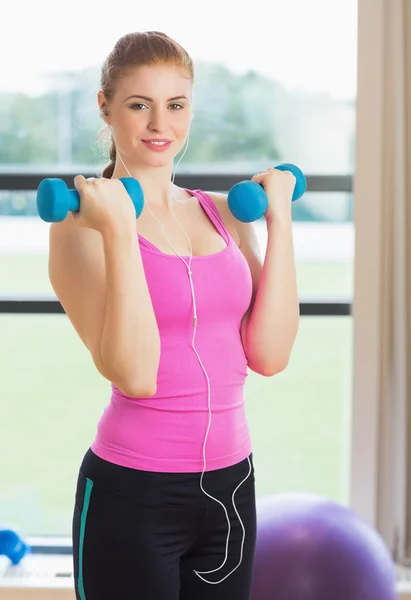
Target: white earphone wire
<point>195,320</point>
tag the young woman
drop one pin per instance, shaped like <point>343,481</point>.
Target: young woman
<point>173,307</point>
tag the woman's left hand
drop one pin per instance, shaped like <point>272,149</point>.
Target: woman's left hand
<point>279,187</point>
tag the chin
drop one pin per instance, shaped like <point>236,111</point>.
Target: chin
<point>150,159</point>
<point>158,161</point>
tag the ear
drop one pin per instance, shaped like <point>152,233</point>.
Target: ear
<point>103,107</point>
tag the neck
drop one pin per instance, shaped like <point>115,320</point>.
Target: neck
<point>159,191</point>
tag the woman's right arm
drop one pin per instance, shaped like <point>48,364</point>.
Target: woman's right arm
<point>99,278</point>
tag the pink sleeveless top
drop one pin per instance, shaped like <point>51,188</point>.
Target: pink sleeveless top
<point>165,433</point>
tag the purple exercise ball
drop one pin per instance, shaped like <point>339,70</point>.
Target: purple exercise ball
<point>311,548</point>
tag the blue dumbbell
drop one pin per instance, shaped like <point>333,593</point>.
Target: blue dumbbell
<point>248,202</point>
<point>12,546</point>
<point>55,200</point>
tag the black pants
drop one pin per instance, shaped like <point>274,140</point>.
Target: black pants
<point>139,535</point>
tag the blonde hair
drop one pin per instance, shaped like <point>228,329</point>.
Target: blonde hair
<point>135,50</point>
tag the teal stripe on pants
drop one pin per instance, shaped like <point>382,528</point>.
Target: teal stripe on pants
<point>83,519</point>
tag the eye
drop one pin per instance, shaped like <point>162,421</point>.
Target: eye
<point>177,106</point>
<point>138,106</point>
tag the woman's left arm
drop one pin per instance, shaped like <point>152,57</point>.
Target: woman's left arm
<point>270,326</point>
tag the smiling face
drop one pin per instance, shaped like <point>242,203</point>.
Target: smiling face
<point>150,114</point>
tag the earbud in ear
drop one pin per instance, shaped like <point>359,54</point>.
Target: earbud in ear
<point>192,116</point>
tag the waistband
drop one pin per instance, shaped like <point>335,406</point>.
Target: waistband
<point>153,489</point>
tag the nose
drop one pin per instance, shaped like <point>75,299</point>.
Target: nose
<point>158,120</point>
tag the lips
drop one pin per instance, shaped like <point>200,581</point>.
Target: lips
<point>157,140</point>
<point>157,145</point>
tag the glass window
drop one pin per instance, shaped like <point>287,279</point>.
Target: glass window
<point>275,84</point>
<point>53,398</point>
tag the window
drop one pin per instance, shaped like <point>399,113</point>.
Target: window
<point>268,90</point>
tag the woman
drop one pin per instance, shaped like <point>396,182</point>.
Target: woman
<point>173,307</point>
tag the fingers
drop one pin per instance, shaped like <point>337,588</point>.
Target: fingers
<point>259,177</point>
<point>80,182</point>
<point>261,174</point>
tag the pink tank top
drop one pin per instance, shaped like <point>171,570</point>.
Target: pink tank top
<point>165,433</point>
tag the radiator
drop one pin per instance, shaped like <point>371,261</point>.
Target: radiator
<point>37,577</point>
<point>46,577</point>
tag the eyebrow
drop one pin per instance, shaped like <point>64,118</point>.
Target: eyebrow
<point>151,99</point>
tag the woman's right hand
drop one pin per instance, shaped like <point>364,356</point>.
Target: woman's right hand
<point>105,205</point>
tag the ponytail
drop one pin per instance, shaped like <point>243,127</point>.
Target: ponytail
<point>109,169</point>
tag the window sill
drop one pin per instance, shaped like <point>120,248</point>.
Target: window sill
<point>50,577</point>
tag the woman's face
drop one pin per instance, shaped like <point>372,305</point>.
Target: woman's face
<point>151,104</point>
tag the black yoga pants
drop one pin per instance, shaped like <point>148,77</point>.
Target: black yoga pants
<point>139,535</point>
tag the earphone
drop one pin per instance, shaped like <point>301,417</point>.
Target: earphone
<point>195,324</point>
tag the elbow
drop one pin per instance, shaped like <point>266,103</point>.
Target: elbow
<point>129,384</point>
<point>270,369</point>
<point>136,389</point>
<point>125,378</point>
<point>275,369</point>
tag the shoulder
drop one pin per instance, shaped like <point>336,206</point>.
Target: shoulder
<point>61,232</point>
<point>230,222</point>
<point>247,238</point>
<point>67,233</point>
<point>245,232</point>
<point>73,248</point>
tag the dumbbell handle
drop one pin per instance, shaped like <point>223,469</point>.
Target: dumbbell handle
<point>74,196</point>
<point>73,201</point>
<point>248,201</point>
<point>55,200</point>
